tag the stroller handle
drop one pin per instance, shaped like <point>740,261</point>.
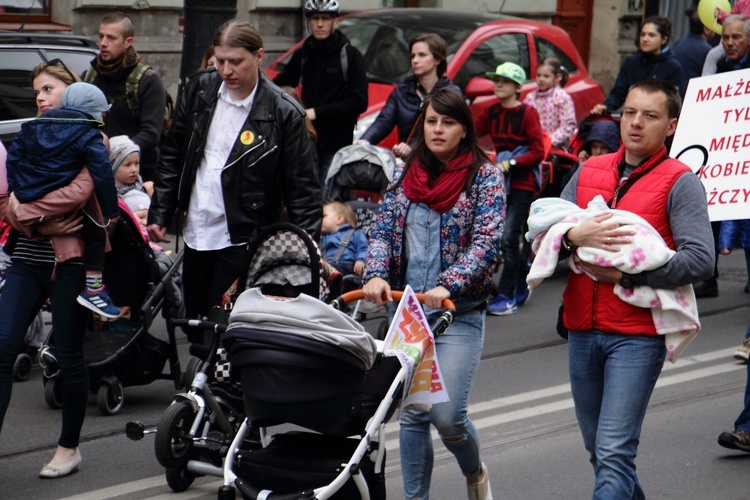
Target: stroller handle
<point>355,295</point>
<point>200,323</point>
<point>438,327</point>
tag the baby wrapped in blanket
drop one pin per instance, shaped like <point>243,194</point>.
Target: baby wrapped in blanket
<point>675,312</point>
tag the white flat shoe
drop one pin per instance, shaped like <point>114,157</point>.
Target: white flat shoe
<point>49,472</point>
<point>482,489</point>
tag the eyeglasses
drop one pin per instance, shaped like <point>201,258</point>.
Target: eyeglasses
<point>58,62</point>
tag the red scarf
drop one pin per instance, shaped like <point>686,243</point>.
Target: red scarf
<point>443,193</point>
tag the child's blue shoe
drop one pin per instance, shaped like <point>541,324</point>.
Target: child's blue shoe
<point>99,302</point>
<point>502,306</point>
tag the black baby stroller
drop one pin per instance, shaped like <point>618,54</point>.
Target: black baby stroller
<point>359,175</point>
<point>306,364</point>
<point>194,433</point>
<point>123,353</point>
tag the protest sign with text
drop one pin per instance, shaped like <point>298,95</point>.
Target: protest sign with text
<point>410,338</point>
<point>713,139</point>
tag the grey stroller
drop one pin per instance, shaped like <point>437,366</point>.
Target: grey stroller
<point>307,364</point>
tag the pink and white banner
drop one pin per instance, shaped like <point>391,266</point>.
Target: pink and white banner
<point>411,339</point>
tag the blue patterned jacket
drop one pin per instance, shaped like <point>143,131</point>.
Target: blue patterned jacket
<point>470,235</point>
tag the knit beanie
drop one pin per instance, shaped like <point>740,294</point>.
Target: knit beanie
<point>120,147</point>
<point>137,200</point>
<point>86,98</point>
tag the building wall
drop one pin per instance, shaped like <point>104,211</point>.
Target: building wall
<point>281,23</point>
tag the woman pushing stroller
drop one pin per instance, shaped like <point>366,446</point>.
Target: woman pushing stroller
<point>439,231</point>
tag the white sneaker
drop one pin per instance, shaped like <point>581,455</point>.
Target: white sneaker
<point>482,489</point>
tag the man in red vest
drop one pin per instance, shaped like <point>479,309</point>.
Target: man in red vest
<point>615,354</point>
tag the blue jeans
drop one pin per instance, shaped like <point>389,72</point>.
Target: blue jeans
<point>612,378</point>
<point>513,275</point>
<point>26,289</point>
<point>459,351</point>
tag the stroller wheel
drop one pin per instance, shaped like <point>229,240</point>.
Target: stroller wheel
<point>226,492</point>
<point>53,392</point>
<point>22,367</point>
<point>179,478</point>
<point>109,397</point>
<point>173,440</point>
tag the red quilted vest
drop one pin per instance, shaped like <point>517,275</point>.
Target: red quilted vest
<point>593,305</point>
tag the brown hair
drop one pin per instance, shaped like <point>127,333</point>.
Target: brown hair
<point>663,26</point>
<point>653,85</point>
<point>128,28</point>
<point>57,70</point>
<point>438,48</point>
<point>557,68</point>
<point>208,54</point>
<point>343,210</point>
<point>308,122</point>
<point>236,33</point>
<point>449,102</point>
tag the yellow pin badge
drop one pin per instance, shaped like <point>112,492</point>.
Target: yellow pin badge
<point>247,137</point>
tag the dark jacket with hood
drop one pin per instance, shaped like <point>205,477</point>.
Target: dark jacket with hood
<point>50,152</point>
<point>146,128</point>
<point>640,66</point>
<point>401,110</point>
<point>337,101</point>
<point>271,167</point>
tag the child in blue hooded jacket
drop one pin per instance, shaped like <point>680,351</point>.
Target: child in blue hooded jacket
<point>345,245</point>
<point>49,152</point>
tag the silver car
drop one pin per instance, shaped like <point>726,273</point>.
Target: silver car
<point>19,54</point>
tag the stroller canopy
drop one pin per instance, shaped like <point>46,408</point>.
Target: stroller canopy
<point>302,316</point>
<point>359,167</point>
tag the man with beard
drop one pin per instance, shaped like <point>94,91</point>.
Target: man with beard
<point>334,83</point>
<point>135,91</point>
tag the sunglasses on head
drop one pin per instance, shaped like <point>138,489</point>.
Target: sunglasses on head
<point>58,62</point>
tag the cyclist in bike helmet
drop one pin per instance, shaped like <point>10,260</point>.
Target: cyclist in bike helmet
<point>332,71</point>
<point>321,7</point>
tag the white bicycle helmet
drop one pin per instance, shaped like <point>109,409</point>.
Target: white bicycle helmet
<point>321,7</point>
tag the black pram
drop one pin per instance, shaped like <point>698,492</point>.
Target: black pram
<point>305,363</point>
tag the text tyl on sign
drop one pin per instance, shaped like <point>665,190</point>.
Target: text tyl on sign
<point>713,139</point>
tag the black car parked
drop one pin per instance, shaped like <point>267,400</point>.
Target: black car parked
<point>19,54</point>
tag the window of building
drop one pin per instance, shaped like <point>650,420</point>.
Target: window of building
<point>25,11</point>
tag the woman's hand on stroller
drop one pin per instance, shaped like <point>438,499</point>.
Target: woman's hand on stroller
<point>375,289</point>
<point>434,298</point>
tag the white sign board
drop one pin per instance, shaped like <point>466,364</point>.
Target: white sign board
<point>713,139</point>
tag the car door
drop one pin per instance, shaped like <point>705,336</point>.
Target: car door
<point>483,53</point>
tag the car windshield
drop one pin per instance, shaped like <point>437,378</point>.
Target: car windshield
<point>384,42</point>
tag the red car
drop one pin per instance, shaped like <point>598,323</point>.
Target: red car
<point>477,43</point>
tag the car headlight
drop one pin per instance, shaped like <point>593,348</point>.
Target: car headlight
<point>363,124</point>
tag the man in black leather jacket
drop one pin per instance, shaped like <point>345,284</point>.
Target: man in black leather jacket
<point>238,155</point>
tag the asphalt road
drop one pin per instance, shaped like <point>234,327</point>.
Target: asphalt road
<point>521,405</point>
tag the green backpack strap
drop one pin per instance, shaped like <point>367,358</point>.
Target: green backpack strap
<point>131,87</point>
<point>90,75</point>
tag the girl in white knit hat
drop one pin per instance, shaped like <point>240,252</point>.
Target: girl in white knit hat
<point>125,156</point>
